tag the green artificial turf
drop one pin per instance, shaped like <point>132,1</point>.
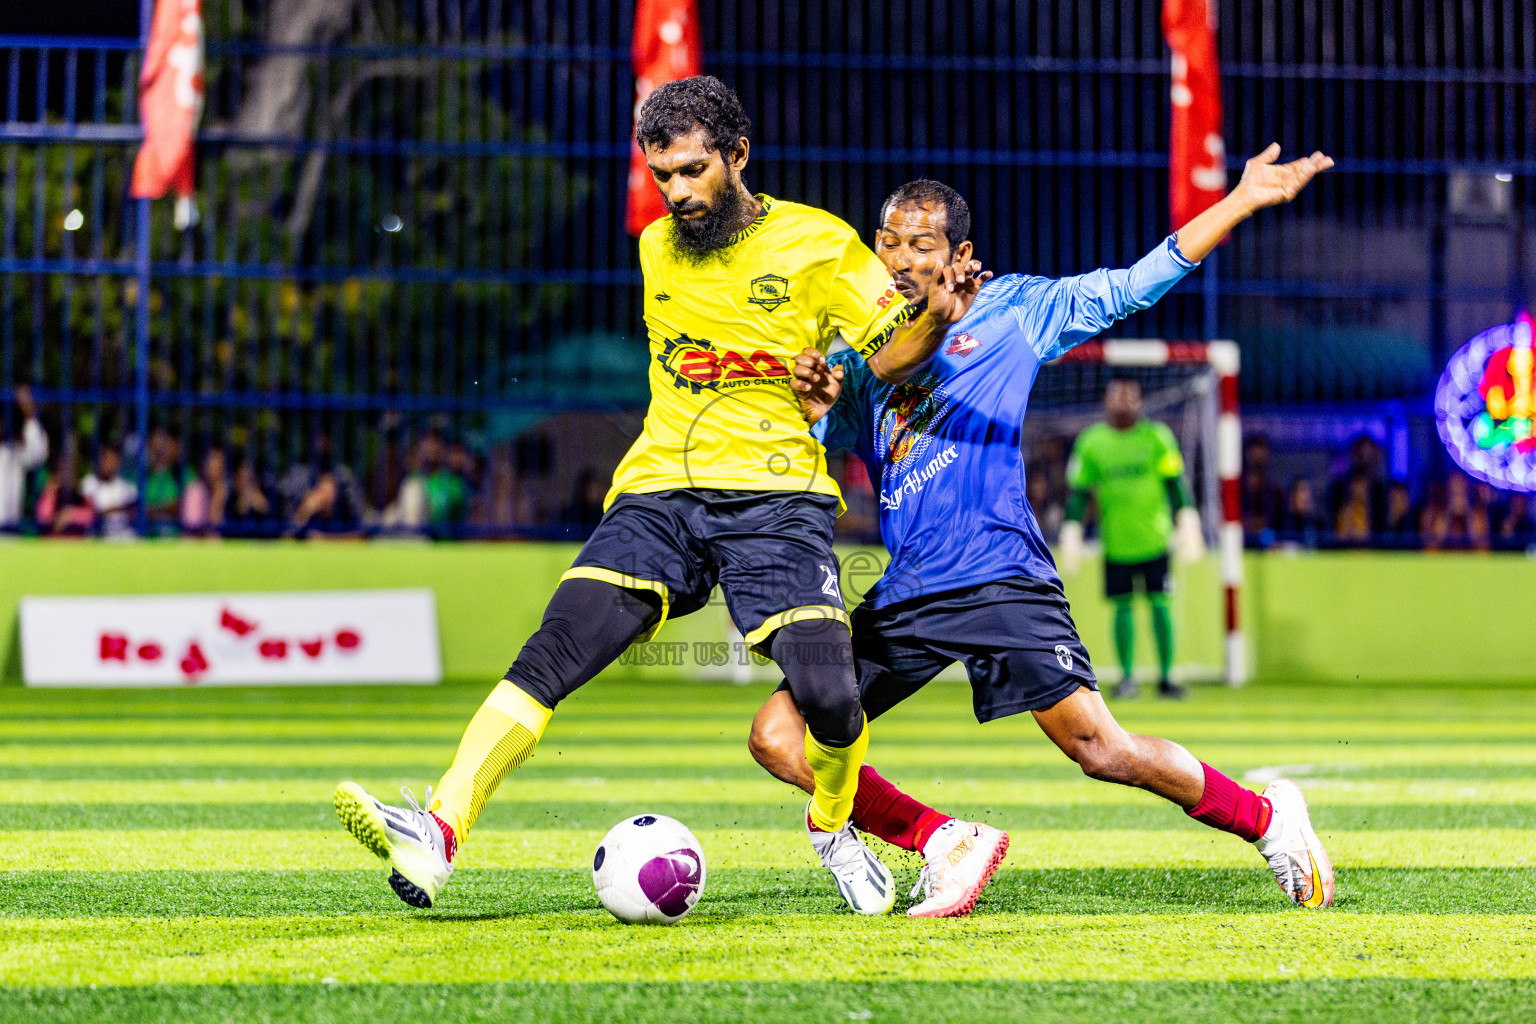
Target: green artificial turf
<point>171,856</point>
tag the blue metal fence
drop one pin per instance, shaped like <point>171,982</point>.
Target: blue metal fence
<point>427,222</point>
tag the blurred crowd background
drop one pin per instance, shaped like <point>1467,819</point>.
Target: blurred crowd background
<point>406,301</point>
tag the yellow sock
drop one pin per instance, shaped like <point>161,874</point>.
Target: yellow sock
<point>837,779</point>
<point>499,738</point>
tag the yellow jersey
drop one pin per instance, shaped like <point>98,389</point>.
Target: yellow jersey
<point>724,334</point>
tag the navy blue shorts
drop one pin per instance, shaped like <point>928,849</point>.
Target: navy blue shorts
<point>769,551</point>
<point>1015,637</point>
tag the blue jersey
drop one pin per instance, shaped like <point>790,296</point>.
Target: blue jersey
<point>944,448</point>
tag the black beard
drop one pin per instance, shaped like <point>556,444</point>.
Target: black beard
<point>700,240</point>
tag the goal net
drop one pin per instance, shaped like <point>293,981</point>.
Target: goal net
<point>1192,387</point>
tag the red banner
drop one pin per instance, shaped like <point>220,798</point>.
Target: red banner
<point>1197,158</point>
<point>666,48</point>
<point>170,100</point>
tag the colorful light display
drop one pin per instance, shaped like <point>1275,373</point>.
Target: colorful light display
<point>1486,405</point>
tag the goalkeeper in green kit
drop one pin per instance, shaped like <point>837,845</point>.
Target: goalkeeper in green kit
<point>1134,466</point>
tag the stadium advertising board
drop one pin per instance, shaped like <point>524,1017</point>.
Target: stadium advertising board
<point>1486,406</point>
<point>351,636</point>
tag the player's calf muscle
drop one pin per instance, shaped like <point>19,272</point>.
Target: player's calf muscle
<point>777,742</point>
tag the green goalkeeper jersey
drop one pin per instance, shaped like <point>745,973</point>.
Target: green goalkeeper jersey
<point>1130,470</point>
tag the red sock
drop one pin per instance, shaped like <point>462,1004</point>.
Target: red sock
<point>450,841</point>
<point>881,809</point>
<point>1230,807</point>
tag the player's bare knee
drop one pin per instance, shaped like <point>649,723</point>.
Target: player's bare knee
<point>777,739</point>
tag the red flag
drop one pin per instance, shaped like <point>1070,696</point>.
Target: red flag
<point>666,48</point>
<point>170,100</point>
<point>1197,158</point>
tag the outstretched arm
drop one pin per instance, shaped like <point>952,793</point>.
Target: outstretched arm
<point>1264,183</point>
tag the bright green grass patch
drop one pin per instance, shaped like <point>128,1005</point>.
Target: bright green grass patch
<point>1251,890</point>
<point>785,813</point>
<point>257,849</point>
<point>1400,1001</point>
<point>593,947</point>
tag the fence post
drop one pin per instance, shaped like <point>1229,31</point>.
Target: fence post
<point>141,308</point>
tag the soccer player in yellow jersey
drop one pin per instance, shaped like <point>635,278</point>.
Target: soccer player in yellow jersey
<point>724,485</point>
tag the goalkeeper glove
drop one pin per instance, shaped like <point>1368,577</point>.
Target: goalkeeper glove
<point>1070,545</point>
<point>1188,537</point>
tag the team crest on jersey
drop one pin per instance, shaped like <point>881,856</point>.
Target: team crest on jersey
<point>769,291</point>
<point>961,345</point>
<point>699,364</point>
<point>904,421</point>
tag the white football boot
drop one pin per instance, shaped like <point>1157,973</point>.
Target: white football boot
<point>961,858</point>
<point>409,839</point>
<point>1295,855</point>
<point>864,882</point>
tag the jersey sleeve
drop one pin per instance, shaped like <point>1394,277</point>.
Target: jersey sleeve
<point>1068,311</point>
<point>846,424</point>
<point>1170,461</point>
<point>1082,470</point>
<point>863,305</point>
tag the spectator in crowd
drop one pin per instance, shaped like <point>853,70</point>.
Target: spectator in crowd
<point>1301,520</point>
<point>586,506</point>
<point>1364,459</point>
<point>112,497</point>
<point>1514,526</point>
<point>1454,519</point>
<point>1399,525</point>
<point>252,510</point>
<point>324,512</point>
<point>1048,507</point>
<point>62,511</point>
<point>448,485</point>
<point>1352,524</point>
<point>1263,500</point>
<point>20,454</point>
<point>206,500</point>
<point>300,480</point>
<point>164,482</point>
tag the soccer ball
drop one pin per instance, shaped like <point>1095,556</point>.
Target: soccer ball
<point>649,869</point>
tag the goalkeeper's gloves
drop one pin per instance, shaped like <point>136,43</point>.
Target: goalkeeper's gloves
<point>1188,537</point>
<point>1070,543</point>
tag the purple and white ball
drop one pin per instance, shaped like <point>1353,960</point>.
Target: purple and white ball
<point>649,869</point>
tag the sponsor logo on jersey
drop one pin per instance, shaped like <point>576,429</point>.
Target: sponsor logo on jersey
<point>961,345</point>
<point>769,291</point>
<point>697,364</point>
<point>1064,657</point>
<point>904,421</point>
<point>886,298</point>
<point>914,481</point>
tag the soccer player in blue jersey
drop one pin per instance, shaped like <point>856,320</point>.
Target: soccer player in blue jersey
<point>970,577</point>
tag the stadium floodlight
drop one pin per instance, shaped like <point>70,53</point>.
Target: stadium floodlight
<point>1192,385</point>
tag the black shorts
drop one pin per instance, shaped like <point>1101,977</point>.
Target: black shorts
<point>770,552</point>
<point>1120,577</point>
<point>1015,637</point>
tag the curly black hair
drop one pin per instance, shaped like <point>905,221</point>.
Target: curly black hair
<point>927,192</point>
<point>703,102</point>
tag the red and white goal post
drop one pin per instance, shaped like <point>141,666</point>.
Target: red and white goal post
<point>1212,369</point>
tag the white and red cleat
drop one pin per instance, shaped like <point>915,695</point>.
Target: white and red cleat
<point>1295,854</point>
<point>961,858</point>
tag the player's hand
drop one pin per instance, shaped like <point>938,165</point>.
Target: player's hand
<point>1266,183</point>
<point>1070,547</point>
<point>815,383</point>
<point>954,289</point>
<point>1188,537</point>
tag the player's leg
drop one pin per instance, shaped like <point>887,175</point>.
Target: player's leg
<point>1120,589</point>
<point>595,613</point>
<point>1276,822</point>
<point>1158,584</point>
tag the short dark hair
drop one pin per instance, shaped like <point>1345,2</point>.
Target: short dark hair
<point>927,192</point>
<point>687,105</point>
